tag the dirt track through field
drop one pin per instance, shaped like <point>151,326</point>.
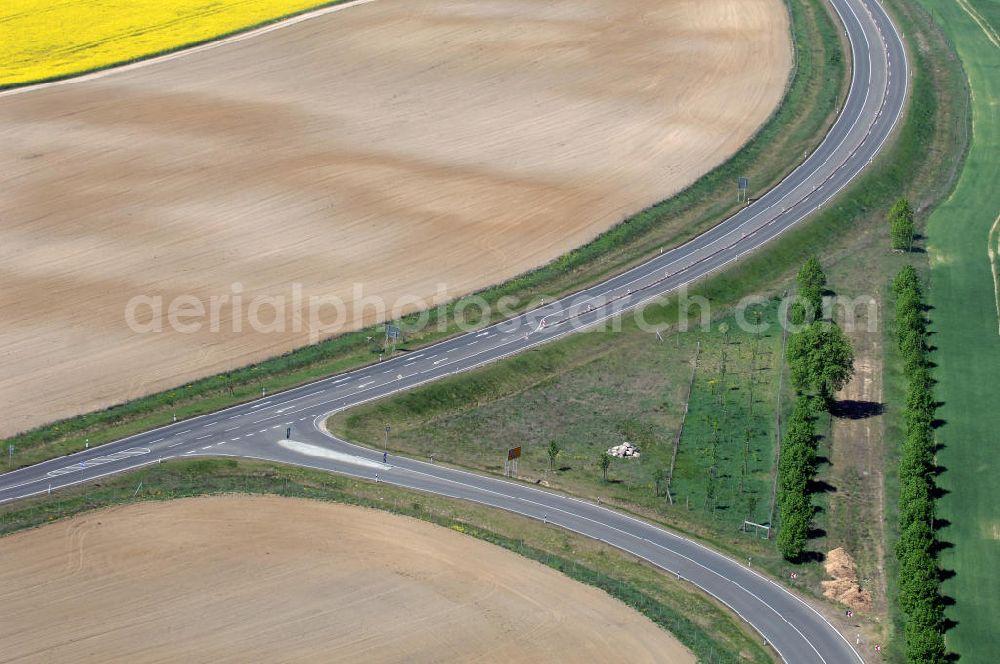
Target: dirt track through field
<point>398,145</point>
<point>276,579</point>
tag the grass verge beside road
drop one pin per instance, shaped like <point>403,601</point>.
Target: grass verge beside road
<point>797,127</point>
<point>711,632</point>
<point>597,390</point>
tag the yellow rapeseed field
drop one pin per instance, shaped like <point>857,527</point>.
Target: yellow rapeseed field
<point>42,39</point>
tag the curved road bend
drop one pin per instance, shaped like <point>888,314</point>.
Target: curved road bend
<point>257,429</point>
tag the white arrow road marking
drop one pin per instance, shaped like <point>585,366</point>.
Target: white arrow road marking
<point>322,452</point>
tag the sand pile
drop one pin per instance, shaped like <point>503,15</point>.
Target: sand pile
<point>845,587</point>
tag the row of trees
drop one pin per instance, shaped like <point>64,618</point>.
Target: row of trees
<point>919,581</point>
<point>901,225</point>
<point>820,361</point>
<point>796,469</point>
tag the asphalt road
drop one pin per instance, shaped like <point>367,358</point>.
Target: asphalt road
<point>257,429</point>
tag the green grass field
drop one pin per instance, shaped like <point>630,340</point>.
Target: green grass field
<point>711,632</point>
<point>725,459</point>
<point>964,324</point>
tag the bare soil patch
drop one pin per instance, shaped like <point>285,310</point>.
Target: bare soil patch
<point>856,520</point>
<point>235,578</point>
<point>400,145</point>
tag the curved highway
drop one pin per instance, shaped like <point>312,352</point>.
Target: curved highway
<point>258,429</point>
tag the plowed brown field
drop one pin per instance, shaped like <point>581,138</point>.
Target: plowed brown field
<point>237,579</point>
<point>398,144</point>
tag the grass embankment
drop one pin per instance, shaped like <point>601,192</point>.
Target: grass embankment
<point>43,41</point>
<point>798,125</point>
<point>601,389</point>
<point>607,382</point>
<point>710,631</point>
<point>964,325</point>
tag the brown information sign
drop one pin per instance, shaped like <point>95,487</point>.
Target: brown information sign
<point>513,453</point>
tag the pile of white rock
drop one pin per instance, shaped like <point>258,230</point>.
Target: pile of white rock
<point>624,450</point>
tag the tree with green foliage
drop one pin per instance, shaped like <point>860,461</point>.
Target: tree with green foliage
<point>796,513</point>
<point>906,279</point>
<point>553,452</point>
<point>913,349</point>
<point>924,642</point>
<point>811,275</point>
<point>604,462</point>
<point>796,468</point>
<point>901,225</point>
<point>820,359</point>
<point>811,281</point>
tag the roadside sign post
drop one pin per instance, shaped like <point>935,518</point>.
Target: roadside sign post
<point>510,464</point>
<point>387,430</point>
<point>10,455</point>
<point>392,335</point>
<point>742,191</point>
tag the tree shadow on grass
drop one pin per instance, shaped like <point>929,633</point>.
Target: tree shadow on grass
<point>809,557</point>
<point>816,533</point>
<point>819,486</point>
<point>851,409</point>
<point>941,545</point>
